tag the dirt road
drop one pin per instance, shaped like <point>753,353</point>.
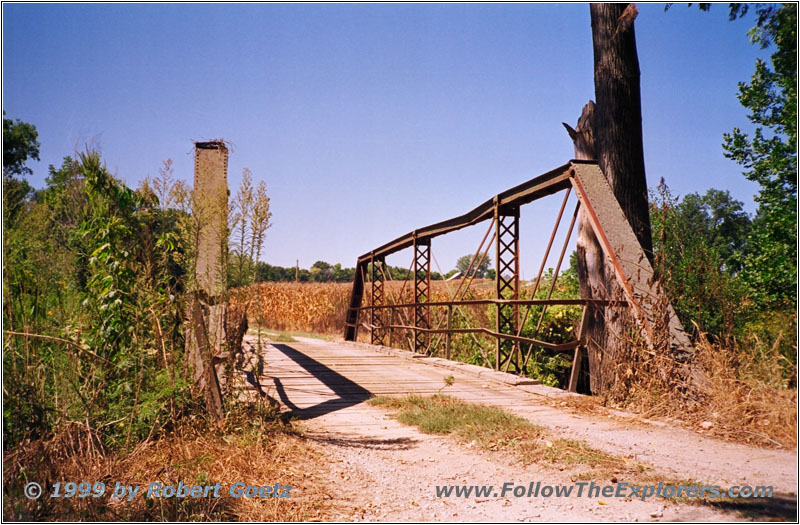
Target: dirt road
<point>380,469</point>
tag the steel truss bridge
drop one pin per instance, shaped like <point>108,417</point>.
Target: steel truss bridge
<point>386,317</point>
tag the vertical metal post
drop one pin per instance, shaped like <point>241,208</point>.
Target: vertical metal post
<point>356,295</point>
<point>497,281</point>
<point>577,358</point>
<point>507,285</point>
<point>371,277</point>
<point>447,335</point>
<point>391,330</point>
<point>376,316</point>
<point>422,286</point>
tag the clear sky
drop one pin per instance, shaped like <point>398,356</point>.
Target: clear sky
<point>368,120</point>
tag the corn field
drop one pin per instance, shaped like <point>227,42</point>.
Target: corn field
<point>301,307</point>
<point>321,307</point>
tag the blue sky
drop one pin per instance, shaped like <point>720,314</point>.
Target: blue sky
<point>368,120</point>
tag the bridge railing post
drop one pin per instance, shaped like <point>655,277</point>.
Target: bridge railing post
<point>422,286</point>
<point>447,337</point>
<point>356,296</point>
<point>507,285</point>
<point>376,331</point>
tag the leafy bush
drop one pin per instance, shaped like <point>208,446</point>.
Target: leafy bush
<point>93,274</point>
<point>699,249</point>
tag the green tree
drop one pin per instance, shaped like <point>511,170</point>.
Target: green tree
<point>321,272</point>
<point>769,156</point>
<point>721,221</point>
<point>20,143</point>
<point>698,246</point>
<point>481,273</point>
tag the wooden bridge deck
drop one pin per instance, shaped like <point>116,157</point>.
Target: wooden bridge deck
<point>314,377</point>
<point>327,384</point>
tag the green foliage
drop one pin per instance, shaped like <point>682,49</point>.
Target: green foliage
<point>323,272</point>
<point>20,143</point>
<point>699,247</point>
<point>553,324</point>
<point>93,272</point>
<point>249,220</point>
<point>769,157</point>
<point>463,264</point>
<point>734,278</point>
<point>702,252</point>
<point>722,223</point>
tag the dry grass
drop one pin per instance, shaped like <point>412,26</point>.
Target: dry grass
<point>198,453</point>
<point>748,401</point>
<point>493,429</point>
<point>743,397</point>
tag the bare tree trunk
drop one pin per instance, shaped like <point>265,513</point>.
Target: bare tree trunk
<point>617,127</point>
<point>611,133</point>
<point>591,261</point>
<point>618,114</point>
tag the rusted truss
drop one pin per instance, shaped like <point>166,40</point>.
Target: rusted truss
<point>377,332</point>
<point>422,293</point>
<point>507,287</point>
<point>512,349</point>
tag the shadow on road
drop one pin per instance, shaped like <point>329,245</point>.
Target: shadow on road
<point>780,507</point>
<point>348,392</point>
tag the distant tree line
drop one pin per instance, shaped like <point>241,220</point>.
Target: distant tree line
<point>323,272</point>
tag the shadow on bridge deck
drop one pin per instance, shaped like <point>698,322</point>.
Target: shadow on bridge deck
<point>348,392</point>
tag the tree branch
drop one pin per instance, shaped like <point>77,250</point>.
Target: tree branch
<point>59,339</point>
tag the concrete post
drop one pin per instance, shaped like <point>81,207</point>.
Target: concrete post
<point>211,219</point>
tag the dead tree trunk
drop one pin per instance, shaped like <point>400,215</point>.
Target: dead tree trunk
<point>610,132</point>
<point>618,114</point>
<point>591,261</point>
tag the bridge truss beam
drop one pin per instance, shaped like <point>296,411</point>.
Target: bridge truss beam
<point>507,351</point>
<point>422,293</point>
<point>377,331</point>
<point>644,296</point>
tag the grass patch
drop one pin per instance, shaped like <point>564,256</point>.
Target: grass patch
<point>494,429</point>
<point>571,452</point>
<point>281,338</point>
<point>440,414</point>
